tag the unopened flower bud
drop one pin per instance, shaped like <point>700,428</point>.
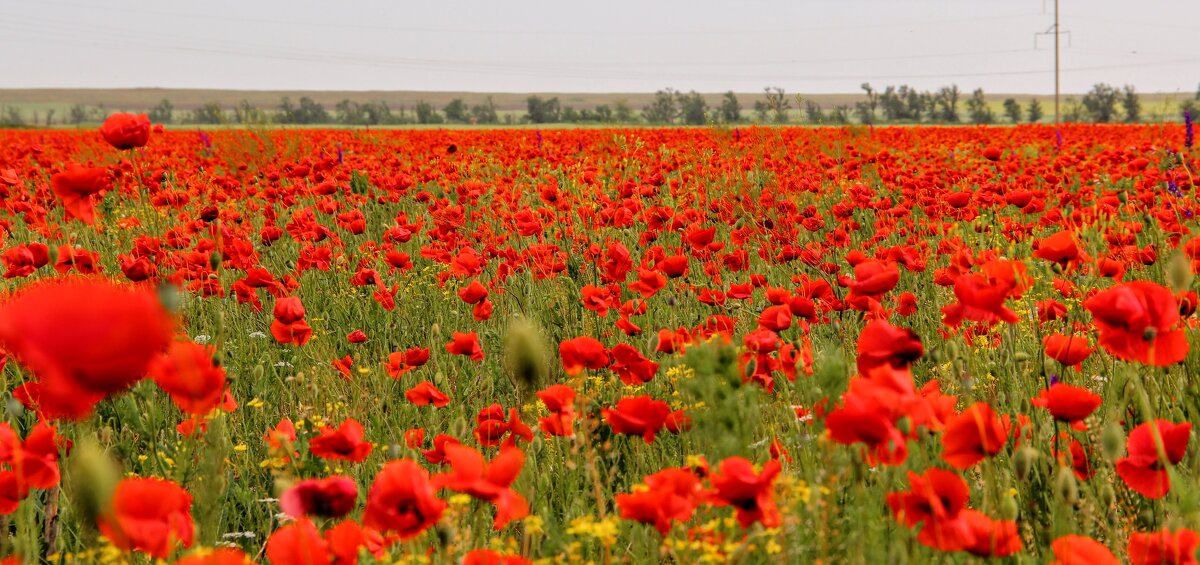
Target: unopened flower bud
<point>1112,441</point>
<point>1065,485</point>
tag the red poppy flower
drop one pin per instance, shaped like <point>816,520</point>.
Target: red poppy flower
<point>356,336</point>
<point>560,402</point>
<point>298,543</point>
<point>187,373</point>
<point>582,353</point>
<point>1139,321</point>
<point>1068,350</point>
<point>126,131</point>
<point>671,496</point>
<point>490,482</point>
<point>993,538</point>
<point>1142,469</point>
<point>344,443</point>
<point>1164,547</point>
<point>150,515</point>
<point>935,500</point>
<point>289,325</point>
<point>1081,550</point>
<point>77,186</point>
<point>736,484</point>
<point>437,455</point>
<point>82,339</point>
<point>219,556</point>
<point>881,343</point>
<point>973,435</point>
<point>424,394</point>
<point>1068,403</point>
<point>465,344</point>
<point>473,293</point>
<point>979,301</point>
<point>1061,248</point>
<point>638,415</point>
<point>401,362</point>
<point>333,497</point>
<point>489,557</point>
<point>872,279</point>
<point>631,366</point>
<point>402,500</point>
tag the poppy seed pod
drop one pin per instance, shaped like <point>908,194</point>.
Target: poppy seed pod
<point>1023,461</point>
<point>1065,485</point>
<point>1179,272</point>
<point>1112,441</point>
<point>93,479</point>
<point>525,356</point>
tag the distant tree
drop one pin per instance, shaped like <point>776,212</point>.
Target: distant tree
<point>375,113</point>
<point>163,113</point>
<point>840,115</point>
<point>761,110</point>
<point>427,114</point>
<point>604,113</point>
<point>209,113</point>
<point>78,114</point>
<point>541,111</point>
<point>308,111</point>
<point>1034,111</point>
<point>485,113</point>
<point>50,116</point>
<point>246,113</point>
<point>348,112</point>
<point>862,111</point>
<point>622,113</point>
<point>1101,103</point>
<point>1012,110</point>
<point>813,112</point>
<point>730,110</point>
<point>663,109</point>
<point>1073,110</point>
<point>456,111</point>
<point>866,113</point>
<point>693,108</point>
<point>946,102</point>
<point>10,117</point>
<point>978,110</point>
<point>1131,104</point>
<point>570,115</point>
<point>777,103</point>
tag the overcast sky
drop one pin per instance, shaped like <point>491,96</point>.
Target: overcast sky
<point>597,46</point>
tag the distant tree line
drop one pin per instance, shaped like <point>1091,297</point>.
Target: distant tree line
<point>901,104</point>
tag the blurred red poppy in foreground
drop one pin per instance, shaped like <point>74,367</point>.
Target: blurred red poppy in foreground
<point>83,339</point>
<point>150,515</point>
<point>1142,469</point>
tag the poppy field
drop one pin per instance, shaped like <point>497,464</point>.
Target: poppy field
<point>712,345</point>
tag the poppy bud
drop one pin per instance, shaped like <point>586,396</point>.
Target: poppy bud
<point>171,297</point>
<point>1008,507</point>
<point>1112,441</point>
<point>525,356</point>
<point>904,425</point>
<point>1107,495</point>
<point>1179,272</point>
<point>93,479</point>
<point>393,452</point>
<point>14,408</point>
<point>257,372</point>
<point>1023,462</point>
<point>1065,485</point>
<point>214,260</point>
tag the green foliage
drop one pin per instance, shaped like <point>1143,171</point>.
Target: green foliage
<point>1100,103</point>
